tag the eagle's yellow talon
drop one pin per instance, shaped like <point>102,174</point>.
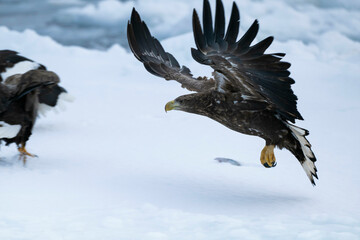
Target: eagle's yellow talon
<point>23,151</point>
<point>267,157</point>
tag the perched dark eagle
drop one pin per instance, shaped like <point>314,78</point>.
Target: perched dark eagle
<point>249,92</point>
<point>19,104</point>
<point>26,88</point>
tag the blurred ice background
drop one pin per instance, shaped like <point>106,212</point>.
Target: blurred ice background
<point>99,24</point>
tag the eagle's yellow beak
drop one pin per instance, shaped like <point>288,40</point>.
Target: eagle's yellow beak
<point>170,106</point>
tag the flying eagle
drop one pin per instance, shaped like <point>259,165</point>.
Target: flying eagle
<point>26,89</point>
<point>249,91</point>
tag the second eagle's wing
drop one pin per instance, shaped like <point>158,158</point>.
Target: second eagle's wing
<point>240,67</point>
<point>22,84</point>
<point>149,51</point>
<point>12,63</point>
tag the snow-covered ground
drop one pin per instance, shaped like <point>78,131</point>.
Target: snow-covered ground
<point>114,165</point>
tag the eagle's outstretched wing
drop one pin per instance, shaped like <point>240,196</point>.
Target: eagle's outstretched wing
<point>149,51</point>
<point>241,67</point>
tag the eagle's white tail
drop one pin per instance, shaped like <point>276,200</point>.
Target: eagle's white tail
<point>308,163</point>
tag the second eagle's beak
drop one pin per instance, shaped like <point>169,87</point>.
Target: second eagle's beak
<point>171,105</point>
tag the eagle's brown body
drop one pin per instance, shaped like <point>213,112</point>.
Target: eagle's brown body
<point>244,116</point>
<point>247,117</point>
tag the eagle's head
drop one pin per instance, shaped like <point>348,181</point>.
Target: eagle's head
<point>198,103</point>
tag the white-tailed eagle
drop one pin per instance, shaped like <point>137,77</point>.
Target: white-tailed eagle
<point>249,91</point>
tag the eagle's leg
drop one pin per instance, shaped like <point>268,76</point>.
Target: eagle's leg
<point>23,151</point>
<point>267,157</point>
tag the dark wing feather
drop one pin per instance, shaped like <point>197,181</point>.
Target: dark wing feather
<point>50,95</point>
<point>149,51</point>
<point>244,43</point>
<point>243,67</point>
<point>233,28</point>
<point>207,24</point>
<point>219,22</point>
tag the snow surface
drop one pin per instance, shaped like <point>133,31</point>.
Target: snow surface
<point>114,165</point>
